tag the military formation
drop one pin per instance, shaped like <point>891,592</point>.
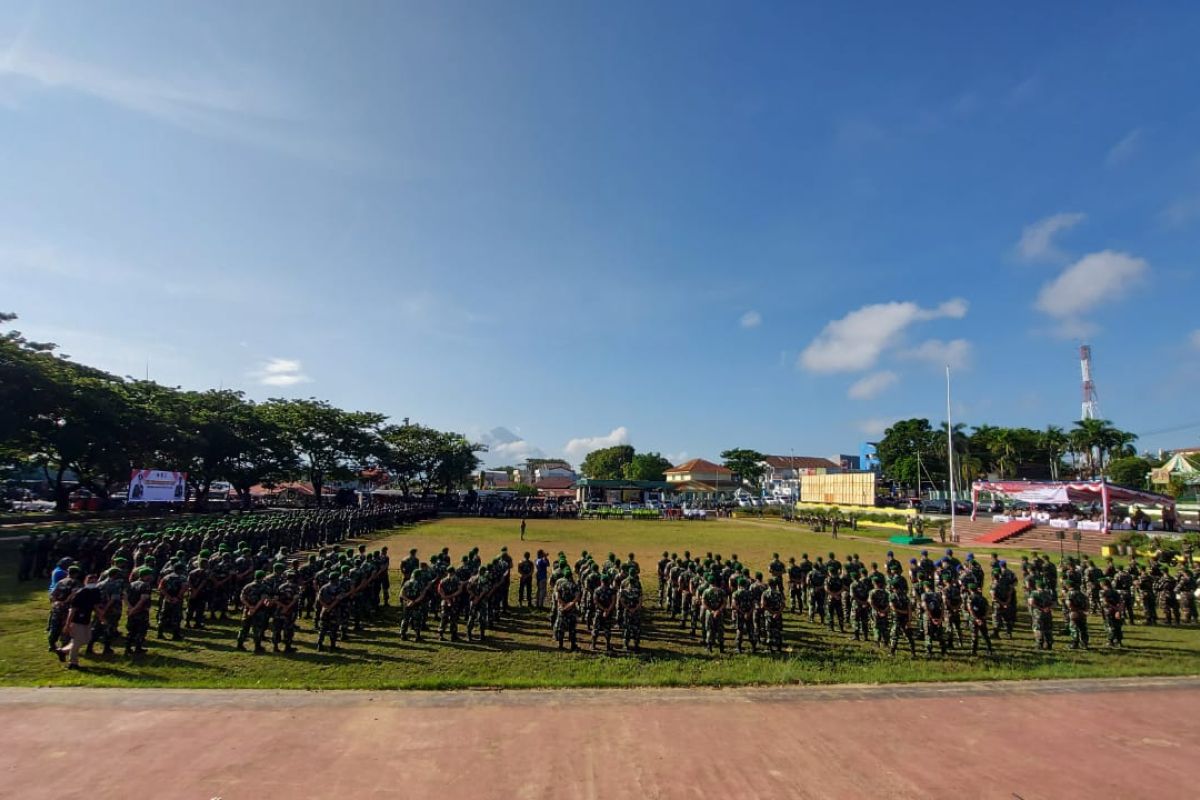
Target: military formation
<point>273,574</point>
<point>188,574</point>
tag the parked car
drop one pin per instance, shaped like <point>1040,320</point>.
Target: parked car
<point>963,507</point>
<point>934,507</point>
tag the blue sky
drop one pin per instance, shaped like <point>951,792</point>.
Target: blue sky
<point>687,226</point>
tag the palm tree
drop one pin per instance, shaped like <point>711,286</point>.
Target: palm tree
<point>1054,442</point>
<point>1005,446</point>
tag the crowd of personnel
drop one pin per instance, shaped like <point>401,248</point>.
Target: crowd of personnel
<point>188,575</point>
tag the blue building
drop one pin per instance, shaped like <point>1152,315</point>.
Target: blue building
<point>868,456</point>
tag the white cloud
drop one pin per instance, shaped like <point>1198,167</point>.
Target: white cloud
<point>236,104</point>
<point>856,341</point>
<point>577,448</point>
<point>506,447</point>
<point>1093,280</point>
<point>867,387</point>
<point>676,458</point>
<point>1181,212</point>
<point>1125,149</point>
<point>1195,339</point>
<point>1037,239</point>
<point>955,353</point>
<point>751,319</point>
<point>281,372</point>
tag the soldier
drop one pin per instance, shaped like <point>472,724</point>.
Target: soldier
<point>1145,585</point>
<point>329,597</point>
<point>664,570</point>
<point>287,609</point>
<point>198,591</point>
<point>816,592</point>
<point>255,599</point>
<point>795,577</point>
<point>138,595</point>
<point>1185,592</point>
<point>1113,606</point>
<point>630,600</point>
<point>1168,600</point>
<point>412,594</point>
<point>776,569</point>
<point>60,595</point>
<point>879,604</point>
<point>107,617</point>
<point>410,564</point>
<point>1041,611</point>
<point>833,595</point>
<point>604,601</point>
<point>860,593</point>
<point>1077,611</point>
<point>713,602</point>
<point>977,607</point>
<point>1004,600</point>
<point>953,598</point>
<point>772,604</point>
<point>933,619</point>
<point>171,589</point>
<point>566,602</point>
<point>450,593</point>
<point>525,583</point>
<point>743,607</point>
<point>478,591</point>
<point>901,615</point>
<point>1123,583</point>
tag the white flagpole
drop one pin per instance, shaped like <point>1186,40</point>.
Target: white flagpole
<point>950,456</point>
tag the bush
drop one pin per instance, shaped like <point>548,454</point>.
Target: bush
<point>866,516</point>
<point>1134,539</point>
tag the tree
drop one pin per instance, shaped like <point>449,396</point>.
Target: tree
<point>426,458</point>
<point>330,442</point>
<point>608,463</point>
<point>746,465</point>
<point>646,467</point>
<point>1054,444</point>
<point>908,444</point>
<point>1131,471</point>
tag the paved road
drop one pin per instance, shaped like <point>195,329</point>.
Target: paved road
<point>1054,739</point>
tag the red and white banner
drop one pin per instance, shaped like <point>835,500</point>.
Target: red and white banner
<point>157,486</point>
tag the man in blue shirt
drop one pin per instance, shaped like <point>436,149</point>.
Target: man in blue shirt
<point>541,569</point>
<point>60,572</point>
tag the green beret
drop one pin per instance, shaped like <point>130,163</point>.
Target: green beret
<point>259,573</point>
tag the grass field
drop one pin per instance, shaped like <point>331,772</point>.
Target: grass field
<point>522,653</point>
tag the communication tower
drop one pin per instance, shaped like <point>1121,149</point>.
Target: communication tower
<point>1091,408</point>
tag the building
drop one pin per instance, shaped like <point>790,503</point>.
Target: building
<point>555,488</point>
<point>783,475</point>
<point>538,469</point>
<point>699,480</point>
<point>868,456</point>
<point>494,479</point>
<point>593,490</point>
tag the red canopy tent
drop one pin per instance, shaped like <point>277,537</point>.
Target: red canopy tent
<point>1063,492</point>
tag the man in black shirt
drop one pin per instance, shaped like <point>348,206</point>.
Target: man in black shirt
<point>79,621</point>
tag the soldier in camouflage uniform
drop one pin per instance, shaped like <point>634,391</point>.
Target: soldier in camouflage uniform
<point>816,592</point>
<point>1077,614</point>
<point>450,593</point>
<point>171,588</point>
<point>933,619</point>
<point>901,608</point>
<point>566,601</point>
<point>412,594</point>
<point>977,609</point>
<point>286,610</point>
<point>1168,600</point>
<point>880,605</point>
<point>60,595</point>
<point>860,593</point>
<point>255,600</point>
<point>744,607</point>
<point>952,596</point>
<point>630,600</point>
<point>1185,591</point>
<point>138,595</point>
<point>772,604</point>
<point>713,603</point>
<point>795,576</point>
<point>1004,600</point>
<point>329,596</point>
<point>1113,605</point>
<point>1041,611</point>
<point>106,619</point>
<point>604,601</point>
<point>478,590</point>
<point>198,591</point>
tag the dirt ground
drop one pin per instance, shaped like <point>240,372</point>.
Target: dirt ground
<point>1054,739</point>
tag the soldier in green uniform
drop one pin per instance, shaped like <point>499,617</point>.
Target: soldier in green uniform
<point>1077,614</point>
<point>630,601</point>
<point>412,595</point>
<point>860,593</point>
<point>901,608</point>
<point>1145,585</point>
<point>450,594</point>
<point>107,616</point>
<point>1113,605</point>
<point>255,599</point>
<point>713,602</point>
<point>171,588</point>
<point>880,605</point>
<point>772,605</point>
<point>1041,611</point>
<point>743,608</point>
<point>329,596</point>
<point>977,608</point>
<point>287,608</point>
<point>933,619</point>
<point>1168,600</point>
<point>566,601</point>
<point>138,596</point>
<point>604,601</point>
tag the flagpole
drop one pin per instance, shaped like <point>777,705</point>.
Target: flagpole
<point>950,456</point>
